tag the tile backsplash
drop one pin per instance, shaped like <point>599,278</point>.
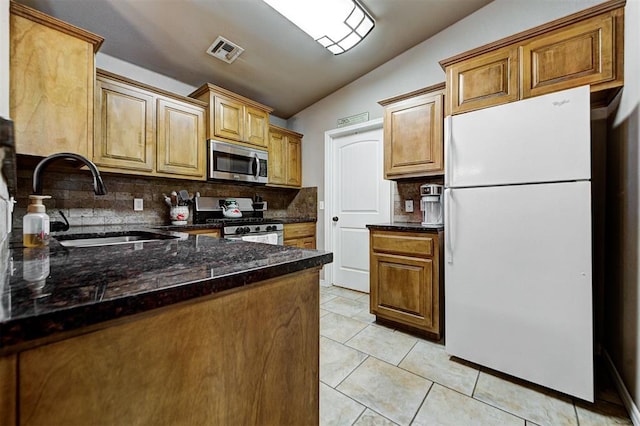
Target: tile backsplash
<point>72,193</point>
<point>410,190</point>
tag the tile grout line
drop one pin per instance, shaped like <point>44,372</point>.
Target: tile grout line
<point>422,403</point>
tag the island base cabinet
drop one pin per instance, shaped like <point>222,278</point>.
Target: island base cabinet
<point>249,357</point>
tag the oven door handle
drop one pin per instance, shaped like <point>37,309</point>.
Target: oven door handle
<point>256,166</point>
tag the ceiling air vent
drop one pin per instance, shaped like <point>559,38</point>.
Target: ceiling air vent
<point>225,50</point>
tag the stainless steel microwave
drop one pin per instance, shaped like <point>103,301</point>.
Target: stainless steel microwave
<point>236,163</point>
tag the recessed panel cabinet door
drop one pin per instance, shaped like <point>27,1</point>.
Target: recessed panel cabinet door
<point>256,126</point>
<point>581,54</point>
<point>125,132</point>
<point>181,139</point>
<point>294,160</point>
<point>487,80</point>
<point>413,137</point>
<point>401,288</point>
<point>277,158</point>
<point>229,118</point>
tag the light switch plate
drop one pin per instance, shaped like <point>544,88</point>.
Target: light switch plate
<point>138,205</point>
<point>408,206</point>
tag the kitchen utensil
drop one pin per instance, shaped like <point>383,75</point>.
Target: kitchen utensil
<point>174,198</point>
<point>167,199</point>
<point>184,197</point>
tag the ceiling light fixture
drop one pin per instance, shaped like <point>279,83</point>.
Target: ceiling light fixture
<point>338,25</point>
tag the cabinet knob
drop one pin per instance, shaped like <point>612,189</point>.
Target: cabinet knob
<point>335,218</point>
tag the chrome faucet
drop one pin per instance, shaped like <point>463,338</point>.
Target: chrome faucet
<point>98,185</point>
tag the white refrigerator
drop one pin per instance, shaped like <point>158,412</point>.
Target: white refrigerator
<point>518,295</point>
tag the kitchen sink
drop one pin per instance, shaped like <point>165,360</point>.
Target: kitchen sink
<point>111,238</point>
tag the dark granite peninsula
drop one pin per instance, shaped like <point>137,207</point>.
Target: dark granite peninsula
<point>185,330</point>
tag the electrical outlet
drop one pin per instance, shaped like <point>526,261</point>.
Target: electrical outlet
<point>408,206</point>
<point>138,205</point>
<point>320,205</point>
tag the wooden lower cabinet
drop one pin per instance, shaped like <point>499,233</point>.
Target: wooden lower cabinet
<point>217,233</point>
<point>302,235</point>
<point>406,280</point>
<point>248,357</point>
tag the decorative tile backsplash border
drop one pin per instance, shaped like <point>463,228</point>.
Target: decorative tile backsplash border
<point>72,193</point>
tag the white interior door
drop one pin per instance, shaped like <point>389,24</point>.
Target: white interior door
<point>360,196</point>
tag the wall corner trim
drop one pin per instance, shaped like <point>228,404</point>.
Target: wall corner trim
<point>631,407</point>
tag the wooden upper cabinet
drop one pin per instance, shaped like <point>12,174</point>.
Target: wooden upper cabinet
<point>51,92</point>
<point>413,134</point>
<point>144,130</point>
<point>234,118</point>
<point>181,138</point>
<point>487,80</point>
<point>581,54</point>
<point>585,48</point>
<point>285,157</point>
<point>125,130</point>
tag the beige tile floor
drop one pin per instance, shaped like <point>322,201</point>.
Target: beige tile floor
<point>375,375</point>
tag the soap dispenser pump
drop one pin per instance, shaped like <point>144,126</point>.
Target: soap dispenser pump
<point>35,224</point>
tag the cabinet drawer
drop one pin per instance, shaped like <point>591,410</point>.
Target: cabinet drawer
<point>299,230</point>
<point>404,243</point>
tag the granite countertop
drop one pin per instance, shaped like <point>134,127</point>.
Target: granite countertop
<point>405,226</point>
<point>90,285</point>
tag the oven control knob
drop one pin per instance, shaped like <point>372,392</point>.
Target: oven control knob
<point>238,230</point>
<point>246,229</point>
<point>257,229</point>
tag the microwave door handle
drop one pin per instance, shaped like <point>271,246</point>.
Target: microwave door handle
<point>256,166</point>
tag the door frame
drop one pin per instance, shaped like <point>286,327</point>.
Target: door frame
<point>329,182</point>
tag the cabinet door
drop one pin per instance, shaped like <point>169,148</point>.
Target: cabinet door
<point>277,158</point>
<point>294,161</point>
<point>256,126</point>
<point>51,89</point>
<point>486,80</point>
<point>229,118</point>
<point>181,139</point>
<point>583,53</point>
<point>125,132</point>
<point>402,290</point>
<point>413,137</point>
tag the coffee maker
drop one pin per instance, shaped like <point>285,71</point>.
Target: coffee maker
<point>431,204</point>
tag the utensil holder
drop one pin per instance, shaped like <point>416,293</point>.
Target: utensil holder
<point>179,215</point>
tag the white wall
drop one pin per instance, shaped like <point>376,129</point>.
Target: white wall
<point>412,70</point>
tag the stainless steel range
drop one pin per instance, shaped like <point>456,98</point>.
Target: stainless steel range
<point>252,226</point>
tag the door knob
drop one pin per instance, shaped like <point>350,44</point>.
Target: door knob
<point>335,218</point>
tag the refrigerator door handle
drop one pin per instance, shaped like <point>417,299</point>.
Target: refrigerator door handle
<point>448,244</point>
<point>448,148</point>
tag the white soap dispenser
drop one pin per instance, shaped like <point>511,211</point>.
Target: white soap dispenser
<point>35,224</point>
